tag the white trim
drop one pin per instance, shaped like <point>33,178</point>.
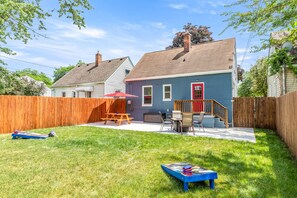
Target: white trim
<point>181,75</point>
<point>77,85</point>
<point>142,96</point>
<point>167,99</point>
<point>87,89</point>
<point>203,89</point>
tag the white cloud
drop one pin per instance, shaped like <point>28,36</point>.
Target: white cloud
<point>216,4</point>
<point>83,33</point>
<point>130,26</point>
<point>60,30</point>
<point>213,12</point>
<point>241,50</point>
<point>198,11</point>
<point>178,6</point>
<point>158,25</point>
<point>117,52</point>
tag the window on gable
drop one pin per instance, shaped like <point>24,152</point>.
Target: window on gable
<point>127,71</point>
<point>167,93</point>
<point>147,95</point>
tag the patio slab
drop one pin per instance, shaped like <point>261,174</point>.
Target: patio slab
<point>240,134</point>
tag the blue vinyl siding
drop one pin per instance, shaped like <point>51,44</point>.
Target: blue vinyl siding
<point>216,86</point>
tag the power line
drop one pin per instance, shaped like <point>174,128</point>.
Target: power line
<point>34,31</point>
<point>36,64</point>
<point>250,38</point>
<point>17,69</point>
<point>246,48</point>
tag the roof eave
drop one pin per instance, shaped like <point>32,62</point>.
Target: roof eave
<point>181,75</point>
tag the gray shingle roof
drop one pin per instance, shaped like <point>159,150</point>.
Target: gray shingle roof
<point>217,55</point>
<point>89,73</point>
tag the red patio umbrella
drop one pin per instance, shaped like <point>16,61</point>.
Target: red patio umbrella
<point>119,94</point>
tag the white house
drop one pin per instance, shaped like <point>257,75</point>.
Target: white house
<point>93,80</point>
<point>285,81</point>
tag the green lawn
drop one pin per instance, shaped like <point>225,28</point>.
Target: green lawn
<point>95,162</point>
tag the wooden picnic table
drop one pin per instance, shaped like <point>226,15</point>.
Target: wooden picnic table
<point>118,117</point>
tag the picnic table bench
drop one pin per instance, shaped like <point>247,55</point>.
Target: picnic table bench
<point>117,118</point>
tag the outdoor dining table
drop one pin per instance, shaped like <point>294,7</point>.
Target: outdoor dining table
<point>117,117</point>
<point>177,125</point>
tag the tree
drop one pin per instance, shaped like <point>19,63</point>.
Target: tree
<point>280,59</point>
<point>12,84</point>
<point>61,71</point>
<point>36,75</point>
<point>240,72</point>
<point>245,88</point>
<point>18,18</point>
<point>264,17</point>
<point>9,83</point>
<point>259,73</point>
<point>199,34</point>
<point>31,87</point>
<point>255,81</point>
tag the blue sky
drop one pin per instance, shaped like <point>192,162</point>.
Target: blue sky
<point>120,28</point>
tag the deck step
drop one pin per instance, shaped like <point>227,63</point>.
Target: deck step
<point>208,121</point>
<point>218,123</point>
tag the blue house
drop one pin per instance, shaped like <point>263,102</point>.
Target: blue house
<point>205,72</point>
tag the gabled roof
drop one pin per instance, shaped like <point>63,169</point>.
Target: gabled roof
<point>202,58</point>
<point>89,73</point>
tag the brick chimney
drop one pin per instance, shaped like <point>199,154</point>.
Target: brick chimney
<point>187,42</point>
<point>98,58</point>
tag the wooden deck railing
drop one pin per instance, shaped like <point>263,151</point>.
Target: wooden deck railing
<point>210,107</point>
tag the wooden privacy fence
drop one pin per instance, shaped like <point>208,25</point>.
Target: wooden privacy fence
<point>286,120</point>
<point>257,112</point>
<point>32,112</point>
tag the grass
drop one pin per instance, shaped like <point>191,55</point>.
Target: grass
<point>94,162</point>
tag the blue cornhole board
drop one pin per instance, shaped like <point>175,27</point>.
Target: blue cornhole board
<point>199,174</point>
<point>28,135</point>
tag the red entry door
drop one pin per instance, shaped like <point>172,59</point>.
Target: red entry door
<point>198,94</point>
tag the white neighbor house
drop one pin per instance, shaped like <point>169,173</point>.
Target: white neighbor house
<point>281,83</point>
<point>93,80</point>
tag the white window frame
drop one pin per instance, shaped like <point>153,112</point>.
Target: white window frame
<point>170,98</point>
<point>147,105</point>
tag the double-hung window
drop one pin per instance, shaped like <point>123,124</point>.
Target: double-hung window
<point>167,92</point>
<point>147,95</point>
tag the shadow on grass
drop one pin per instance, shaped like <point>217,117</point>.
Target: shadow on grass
<point>283,163</point>
<point>263,169</point>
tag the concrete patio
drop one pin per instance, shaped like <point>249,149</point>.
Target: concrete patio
<point>240,134</point>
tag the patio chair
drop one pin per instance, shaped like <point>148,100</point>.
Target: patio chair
<point>187,121</point>
<point>199,121</point>
<point>166,121</point>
